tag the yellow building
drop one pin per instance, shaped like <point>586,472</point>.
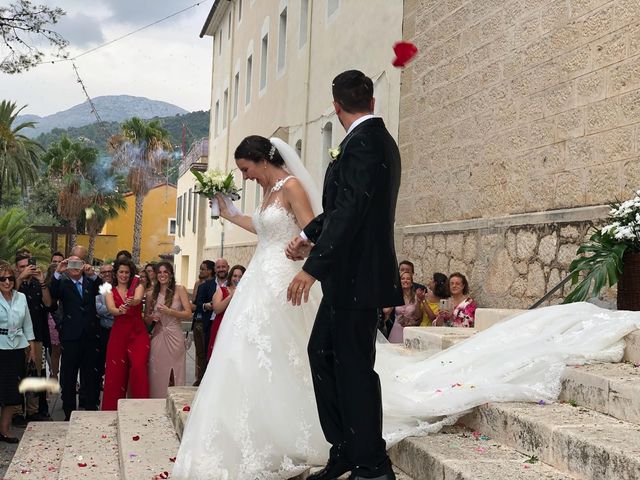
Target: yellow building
<point>158,224</point>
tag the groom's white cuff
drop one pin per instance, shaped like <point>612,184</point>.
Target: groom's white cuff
<point>303,236</point>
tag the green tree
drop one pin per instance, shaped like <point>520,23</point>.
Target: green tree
<point>16,233</point>
<point>70,165</point>
<point>19,155</point>
<point>22,23</point>
<point>141,151</point>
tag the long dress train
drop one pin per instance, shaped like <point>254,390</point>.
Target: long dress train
<point>254,416</point>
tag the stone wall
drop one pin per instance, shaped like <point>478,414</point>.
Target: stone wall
<point>515,106</point>
<point>236,255</point>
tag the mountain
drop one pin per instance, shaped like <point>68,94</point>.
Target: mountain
<point>111,108</point>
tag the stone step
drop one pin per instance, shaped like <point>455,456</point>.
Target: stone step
<point>611,388</point>
<point>588,444</point>
<point>488,317</point>
<point>39,452</point>
<point>435,339</point>
<point>456,454</point>
<point>147,439</point>
<point>179,400</point>
<point>90,447</point>
<point>632,348</point>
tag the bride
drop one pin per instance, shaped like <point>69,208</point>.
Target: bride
<point>254,416</point>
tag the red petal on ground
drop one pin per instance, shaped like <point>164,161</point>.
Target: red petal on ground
<point>135,438</point>
<point>186,408</point>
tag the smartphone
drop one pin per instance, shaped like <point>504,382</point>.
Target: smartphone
<point>444,304</point>
<point>75,264</point>
<point>31,261</point>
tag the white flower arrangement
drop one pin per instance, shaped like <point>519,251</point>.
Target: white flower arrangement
<point>212,182</point>
<point>626,222</point>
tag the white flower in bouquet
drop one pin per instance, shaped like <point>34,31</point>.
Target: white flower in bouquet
<point>213,182</point>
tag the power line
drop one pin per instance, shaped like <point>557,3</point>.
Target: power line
<point>110,42</point>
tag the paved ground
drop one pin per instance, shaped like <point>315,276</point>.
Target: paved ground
<point>55,410</point>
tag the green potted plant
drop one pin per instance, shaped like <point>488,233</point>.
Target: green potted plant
<point>611,256</point>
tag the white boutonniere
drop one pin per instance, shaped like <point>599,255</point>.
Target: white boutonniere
<point>334,153</point>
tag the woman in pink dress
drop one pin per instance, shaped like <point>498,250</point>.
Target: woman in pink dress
<point>407,315</point>
<point>167,306</point>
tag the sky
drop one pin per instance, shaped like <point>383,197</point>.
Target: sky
<point>167,62</point>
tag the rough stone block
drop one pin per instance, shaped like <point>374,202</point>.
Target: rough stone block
<point>146,437</point>
<point>90,447</point>
<point>177,399</point>
<point>39,453</point>
<point>632,348</point>
<point>488,317</point>
<point>624,77</point>
<point>435,338</point>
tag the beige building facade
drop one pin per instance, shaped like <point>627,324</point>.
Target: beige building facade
<point>520,123</point>
<point>273,63</point>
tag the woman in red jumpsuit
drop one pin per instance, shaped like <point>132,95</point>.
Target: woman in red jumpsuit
<point>128,347</point>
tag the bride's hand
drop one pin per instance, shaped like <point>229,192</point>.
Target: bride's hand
<point>298,248</point>
<point>222,205</point>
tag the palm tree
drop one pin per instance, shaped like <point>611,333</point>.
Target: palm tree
<point>70,163</point>
<point>19,155</point>
<point>141,150</point>
<point>104,206</point>
<point>16,233</point>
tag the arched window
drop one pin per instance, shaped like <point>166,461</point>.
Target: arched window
<point>327,140</point>
<point>299,148</point>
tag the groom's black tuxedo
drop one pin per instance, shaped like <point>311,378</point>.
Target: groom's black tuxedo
<point>354,255</point>
<point>354,259</point>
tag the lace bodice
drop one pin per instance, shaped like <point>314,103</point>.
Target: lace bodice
<point>275,226</point>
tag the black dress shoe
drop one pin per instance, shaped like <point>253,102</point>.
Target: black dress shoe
<point>384,476</point>
<point>6,439</point>
<point>18,421</point>
<point>336,466</point>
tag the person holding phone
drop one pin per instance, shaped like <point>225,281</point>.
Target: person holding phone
<point>128,347</point>
<point>433,299</point>
<point>462,312</point>
<point>75,285</point>
<point>407,315</point>
<point>220,301</point>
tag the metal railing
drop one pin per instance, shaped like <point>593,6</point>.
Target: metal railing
<point>198,150</point>
<point>551,292</point>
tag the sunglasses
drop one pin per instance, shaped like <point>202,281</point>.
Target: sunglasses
<point>4,279</point>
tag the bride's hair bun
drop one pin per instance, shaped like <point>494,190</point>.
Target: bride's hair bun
<point>256,148</point>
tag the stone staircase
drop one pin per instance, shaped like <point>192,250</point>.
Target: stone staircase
<point>593,433</point>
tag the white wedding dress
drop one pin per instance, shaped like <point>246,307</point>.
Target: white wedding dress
<point>254,416</point>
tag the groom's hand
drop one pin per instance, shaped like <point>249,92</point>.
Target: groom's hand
<point>298,248</point>
<point>299,288</point>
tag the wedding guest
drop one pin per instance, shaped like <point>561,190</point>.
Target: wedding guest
<point>56,257</point>
<point>436,291</point>
<point>75,285</point>
<point>31,282</point>
<point>167,306</point>
<point>463,311</point>
<point>16,335</point>
<point>407,266</point>
<point>105,320</point>
<point>150,268</point>
<point>407,315</point>
<point>201,324</point>
<point>128,348</point>
<point>55,311</point>
<point>220,302</point>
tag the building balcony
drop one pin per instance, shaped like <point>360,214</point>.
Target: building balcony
<point>196,157</point>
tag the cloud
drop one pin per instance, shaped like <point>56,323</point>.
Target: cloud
<point>80,30</point>
<point>144,11</point>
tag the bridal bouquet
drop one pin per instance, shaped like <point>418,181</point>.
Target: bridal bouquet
<point>212,182</point>
<point>602,257</point>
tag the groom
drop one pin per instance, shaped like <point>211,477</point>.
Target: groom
<point>353,257</point>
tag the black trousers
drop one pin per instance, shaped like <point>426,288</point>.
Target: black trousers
<point>342,356</point>
<point>79,355</point>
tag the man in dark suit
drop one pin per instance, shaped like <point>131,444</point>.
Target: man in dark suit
<point>78,329</point>
<point>201,325</point>
<point>353,256</point>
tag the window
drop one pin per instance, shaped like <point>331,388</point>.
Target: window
<point>172,226</point>
<point>189,208</point>
<point>258,197</point>
<point>299,148</point>
<point>332,6</point>
<point>229,24</point>
<point>327,139</point>
<point>220,42</point>
<point>304,16</point>
<point>247,88</point>
<point>239,10</point>
<point>263,61</point>
<point>179,213</point>
<point>195,212</point>
<point>216,121</point>
<point>243,199</point>
<point>184,206</point>
<point>282,40</point>
<point>225,108</point>
<point>236,87</point>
